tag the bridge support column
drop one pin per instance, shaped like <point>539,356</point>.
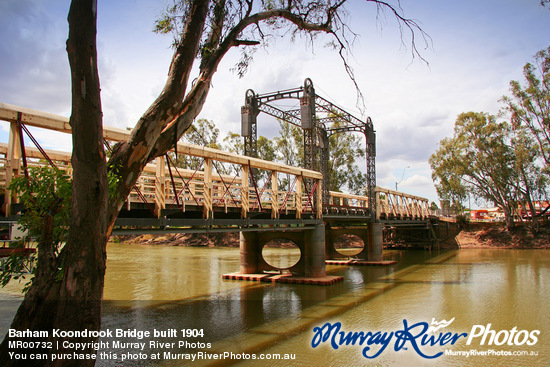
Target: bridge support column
<point>314,252</point>
<point>375,242</point>
<point>332,234</point>
<point>372,252</point>
<point>310,269</point>
<point>250,253</point>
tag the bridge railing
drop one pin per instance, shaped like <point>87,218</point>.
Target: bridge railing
<point>210,191</point>
<point>253,185</point>
<point>398,205</point>
<point>347,204</point>
<point>391,205</point>
<point>253,188</point>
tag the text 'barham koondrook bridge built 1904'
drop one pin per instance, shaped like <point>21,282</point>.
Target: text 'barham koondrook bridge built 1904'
<point>208,199</point>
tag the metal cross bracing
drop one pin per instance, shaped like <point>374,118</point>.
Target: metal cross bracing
<point>319,119</point>
<point>206,198</point>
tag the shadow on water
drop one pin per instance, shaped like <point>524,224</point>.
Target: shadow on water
<point>169,289</point>
<point>223,315</point>
<point>223,310</point>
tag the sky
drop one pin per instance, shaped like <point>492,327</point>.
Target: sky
<point>475,48</point>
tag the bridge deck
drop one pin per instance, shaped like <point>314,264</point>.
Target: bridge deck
<point>225,192</point>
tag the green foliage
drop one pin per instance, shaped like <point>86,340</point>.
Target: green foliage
<point>529,104</point>
<point>504,163</point>
<point>477,160</point>
<point>170,20</point>
<point>233,143</point>
<point>289,149</point>
<point>288,144</point>
<point>266,149</point>
<point>16,267</point>
<point>203,133</point>
<point>533,177</point>
<point>47,191</point>
<point>113,179</point>
<point>528,109</point>
<point>163,25</point>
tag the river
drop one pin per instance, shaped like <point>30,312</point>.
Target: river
<point>168,289</point>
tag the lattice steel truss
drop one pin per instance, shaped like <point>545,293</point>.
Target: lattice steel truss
<point>319,119</point>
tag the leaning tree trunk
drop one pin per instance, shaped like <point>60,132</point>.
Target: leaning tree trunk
<point>85,251</point>
<point>74,301</point>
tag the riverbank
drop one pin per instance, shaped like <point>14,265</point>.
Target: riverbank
<point>229,239</point>
<point>475,235</point>
<point>495,235</point>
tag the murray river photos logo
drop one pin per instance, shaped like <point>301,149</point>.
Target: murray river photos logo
<point>420,337</point>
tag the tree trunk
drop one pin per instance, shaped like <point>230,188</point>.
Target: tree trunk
<point>534,219</point>
<point>36,302</point>
<point>85,251</point>
<point>508,217</point>
<point>74,302</point>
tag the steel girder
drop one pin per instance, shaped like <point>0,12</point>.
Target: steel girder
<point>317,130</point>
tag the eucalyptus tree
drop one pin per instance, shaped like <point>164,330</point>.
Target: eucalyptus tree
<point>68,289</point>
<point>528,108</point>
<point>478,160</point>
<point>205,31</point>
<point>203,133</point>
<point>529,105</point>
<point>532,182</point>
<point>289,148</point>
<point>233,143</point>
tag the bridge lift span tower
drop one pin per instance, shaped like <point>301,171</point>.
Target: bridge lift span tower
<point>319,120</point>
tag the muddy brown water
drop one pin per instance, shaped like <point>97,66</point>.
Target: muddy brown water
<point>166,288</point>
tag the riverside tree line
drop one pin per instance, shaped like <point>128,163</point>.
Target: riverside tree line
<point>501,158</point>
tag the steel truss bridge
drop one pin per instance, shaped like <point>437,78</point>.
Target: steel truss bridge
<point>226,192</point>
<point>262,200</point>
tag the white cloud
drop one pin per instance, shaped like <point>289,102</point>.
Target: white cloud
<point>35,68</point>
<point>478,47</point>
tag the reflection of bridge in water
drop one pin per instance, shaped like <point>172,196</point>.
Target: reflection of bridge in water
<point>250,199</point>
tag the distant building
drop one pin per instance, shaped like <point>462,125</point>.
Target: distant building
<point>479,214</point>
<point>541,208</point>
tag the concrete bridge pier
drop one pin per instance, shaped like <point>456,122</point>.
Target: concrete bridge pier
<point>314,252</point>
<point>372,252</point>
<point>310,268</point>
<point>249,253</point>
<point>375,242</point>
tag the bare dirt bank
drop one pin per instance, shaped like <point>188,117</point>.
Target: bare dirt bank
<point>230,239</point>
<point>475,235</point>
<point>494,235</point>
